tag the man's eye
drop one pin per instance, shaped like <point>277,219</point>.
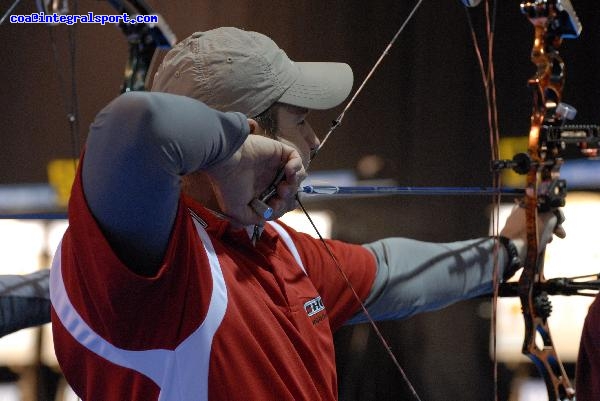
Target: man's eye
<point>301,122</point>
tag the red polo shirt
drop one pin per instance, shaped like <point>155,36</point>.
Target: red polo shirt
<point>274,341</point>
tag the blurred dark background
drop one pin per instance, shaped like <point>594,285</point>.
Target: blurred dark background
<point>423,114</point>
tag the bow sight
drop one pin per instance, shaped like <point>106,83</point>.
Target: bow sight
<point>552,190</point>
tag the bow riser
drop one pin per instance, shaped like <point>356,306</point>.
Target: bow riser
<point>541,185</point>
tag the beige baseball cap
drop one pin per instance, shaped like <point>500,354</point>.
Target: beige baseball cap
<point>230,69</point>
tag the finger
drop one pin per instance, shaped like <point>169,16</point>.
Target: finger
<point>261,208</point>
<point>294,173</point>
<point>293,166</point>
<point>560,232</point>
<point>282,206</point>
<point>287,190</point>
<point>560,216</point>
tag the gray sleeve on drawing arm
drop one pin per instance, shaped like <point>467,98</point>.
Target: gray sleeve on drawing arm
<point>138,148</point>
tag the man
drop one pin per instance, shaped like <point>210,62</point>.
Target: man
<point>158,291</point>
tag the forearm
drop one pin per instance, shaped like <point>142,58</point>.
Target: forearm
<point>414,276</point>
<point>24,301</point>
<point>138,148</point>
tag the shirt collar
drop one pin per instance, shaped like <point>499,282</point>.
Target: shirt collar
<point>218,225</point>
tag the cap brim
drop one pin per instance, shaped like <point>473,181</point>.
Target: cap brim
<point>319,86</point>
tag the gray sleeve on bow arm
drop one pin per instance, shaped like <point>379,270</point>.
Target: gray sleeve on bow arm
<point>414,276</point>
<point>138,148</point>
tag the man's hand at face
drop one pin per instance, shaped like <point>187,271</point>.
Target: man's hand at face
<point>250,171</point>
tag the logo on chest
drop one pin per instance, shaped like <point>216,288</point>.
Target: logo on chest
<point>314,306</point>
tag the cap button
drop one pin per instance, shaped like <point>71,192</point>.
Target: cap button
<point>229,60</point>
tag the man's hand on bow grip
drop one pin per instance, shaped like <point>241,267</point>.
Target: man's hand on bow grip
<point>549,224</point>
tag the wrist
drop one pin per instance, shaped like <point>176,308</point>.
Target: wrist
<point>513,260</point>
